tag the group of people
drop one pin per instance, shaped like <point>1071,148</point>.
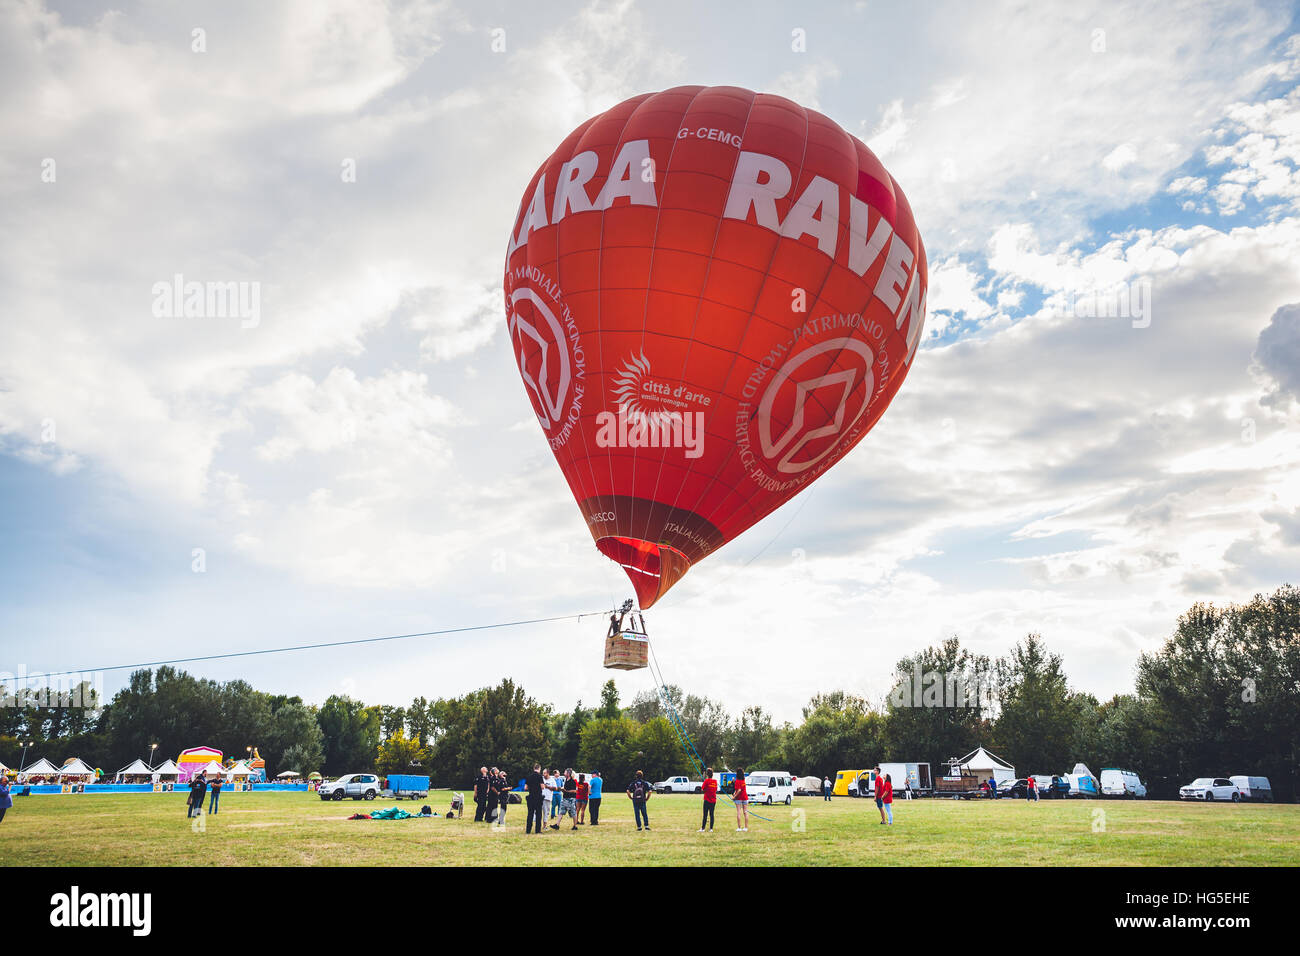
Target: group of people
<point>200,788</point>
<point>739,796</point>
<point>491,796</point>
<point>567,794</point>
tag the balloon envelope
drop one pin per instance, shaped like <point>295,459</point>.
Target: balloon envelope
<point>712,295</point>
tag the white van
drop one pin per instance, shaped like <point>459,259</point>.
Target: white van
<point>769,786</point>
<point>1121,783</point>
<point>1254,788</point>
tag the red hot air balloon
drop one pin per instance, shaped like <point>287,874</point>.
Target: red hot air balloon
<point>712,295</point>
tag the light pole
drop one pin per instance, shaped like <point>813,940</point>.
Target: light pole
<point>152,748</point>
<point>23,763</point>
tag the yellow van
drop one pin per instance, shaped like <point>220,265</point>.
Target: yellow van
<point>844,779</point>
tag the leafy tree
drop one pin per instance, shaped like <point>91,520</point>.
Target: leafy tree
<point>1036,725</point>
<point>303,758</point>
<point>400,754</point>
<point>608,700</point>
<point>570,738</point>
<point>294,727</point>
<point>839,732</point>
<point>351,735</point>
<point>610,745</point>
<point>708,724</point>
<point>939,705</point>
<point>753,742</point>
<point>1224,690</point>
<point>646,705</point>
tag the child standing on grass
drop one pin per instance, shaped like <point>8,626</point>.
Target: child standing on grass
<point>741,798</point>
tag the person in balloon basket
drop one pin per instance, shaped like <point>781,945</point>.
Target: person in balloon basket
<point>710,789</point>
<point>885,788</point>
<point>740,797</point>
<point>639,792</point>
<point>593,802</point>
<point>536,789</point>
<point>482,784</point>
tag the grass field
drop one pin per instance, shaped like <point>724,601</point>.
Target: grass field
<point>256,829</point>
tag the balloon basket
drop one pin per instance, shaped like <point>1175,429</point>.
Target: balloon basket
<point>627,651</point>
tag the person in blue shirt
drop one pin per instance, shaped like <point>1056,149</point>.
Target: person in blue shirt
<point>593,802</point>
<point>6,801</point>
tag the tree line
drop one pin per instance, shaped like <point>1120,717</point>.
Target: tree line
<point>1220,696</point>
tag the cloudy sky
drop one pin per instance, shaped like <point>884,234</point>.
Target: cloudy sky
<point>362,459</point>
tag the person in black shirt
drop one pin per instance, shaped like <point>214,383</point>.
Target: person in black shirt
<point>503,797</point>
<point>640,790</point>
<point>482,785</point>
<point>198,790</point>
<point>535,791</point>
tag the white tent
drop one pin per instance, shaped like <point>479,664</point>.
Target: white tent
<point>168,769</point>
<point>76,767</point>
<point>42,768</point>
<point>983,764</point>
<point>287,774</point>
<point>137,768</point>
<point>240,769</point>
<point>3,768</point>
<point>212,768</point>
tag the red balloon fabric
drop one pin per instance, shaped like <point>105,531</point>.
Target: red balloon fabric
<point>712,295</point>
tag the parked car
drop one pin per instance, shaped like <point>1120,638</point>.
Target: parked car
<point>1253,788</point>
<point>1121,783</point>
<point>678,785</point>
<point>358,786</point>
<point>1017,789</point>
<point>770,786</point>
<point>1210,788</point>
<point>1051,787</point>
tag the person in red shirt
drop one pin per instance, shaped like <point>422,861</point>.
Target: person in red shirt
<point>740,796</point>
<point>710,790</point>
<point>887,796</point>
<point>584,792</point>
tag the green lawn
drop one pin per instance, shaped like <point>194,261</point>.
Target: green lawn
<point>299,830</point>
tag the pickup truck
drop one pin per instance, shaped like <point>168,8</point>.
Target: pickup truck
<point>679,785</point>
<point>358,786</point>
